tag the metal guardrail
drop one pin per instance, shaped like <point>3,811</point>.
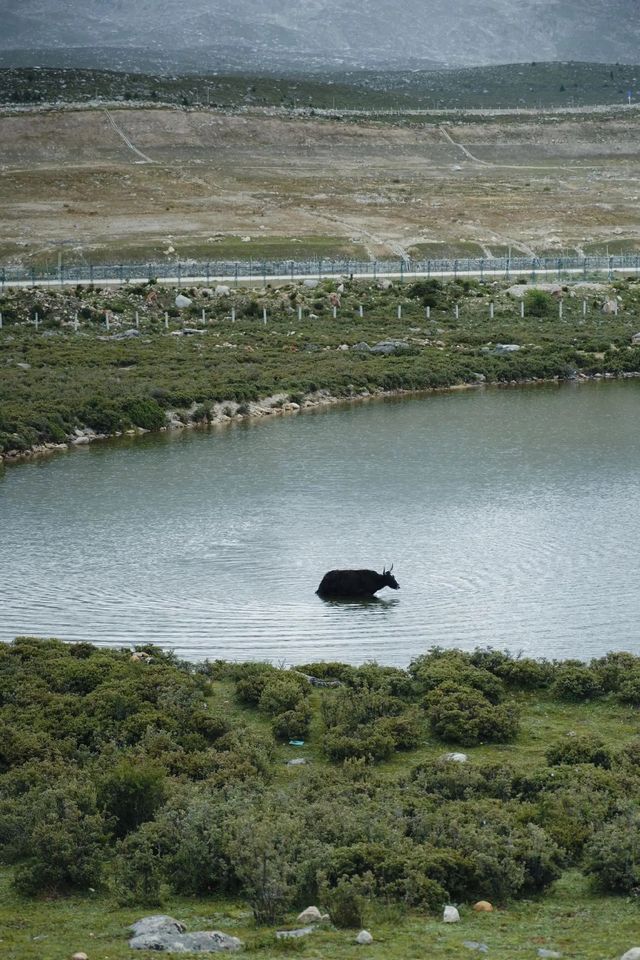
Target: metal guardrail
<point>232,271</point>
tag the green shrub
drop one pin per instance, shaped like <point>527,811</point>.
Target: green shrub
<point>539,303</point>
<point>65,841</point>
<point>366,742</point>
<point>283,692</point>
<point>612,856</point>
<point>575,682</point>
<point>138,871</point>
<point>346,904</point>
<point>251,679</point>
<point>131,793</point>
<point>582,749</point>
<point>629,689</point>
<point>293,724</point>
<point>463,715</point>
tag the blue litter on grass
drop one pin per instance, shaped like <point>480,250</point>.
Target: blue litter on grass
<point>296,743</point>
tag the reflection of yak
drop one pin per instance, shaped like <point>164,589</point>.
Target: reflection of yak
<point>355,584</point>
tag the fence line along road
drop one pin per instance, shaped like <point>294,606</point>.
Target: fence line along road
<point>263,271</point>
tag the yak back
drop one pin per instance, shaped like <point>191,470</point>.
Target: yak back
<point>351,583</point>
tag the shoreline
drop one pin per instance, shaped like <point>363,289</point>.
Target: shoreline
<point>226,412</point>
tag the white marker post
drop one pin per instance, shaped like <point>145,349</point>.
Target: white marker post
<point>76,323</point>
<point>264,315</point>
<point>37,319</point>
<point>360,310</point>
<point>560,310</point>
<point>106,319</point>
<point>0,319</point>
<point>204,318</point>
<point>491,310</point>
<point>584,308</point>
<point>457,311</point>
<point>399,311</point>
<point>299,312</point>
<point>428,313</point>
<point>233,314</point>
<point>335,312</point>
<point>522,308</point>
<point>166,320</point>
<point>137,320</point>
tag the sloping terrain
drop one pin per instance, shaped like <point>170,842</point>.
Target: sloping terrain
<point>78,181</point>
<point>333,32</point>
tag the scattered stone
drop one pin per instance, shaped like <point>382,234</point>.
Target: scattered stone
<point>450,915</point>
<point>203,941</point>
<point>289,934</point>
<point>635,340</point>
<point>80,956</point>
<point>364,937</point>
<point>388,347</point>
<point>181,301</point>
<point>311,914</point>
<point>456,757</point>
<point>483,906</point>
<point>23,365</point>
<point>610,306</point>
<point>156,923</point>
<point>343,346</point>
<point>222,291</point>
<point>501,348</point>
<point>633,954</point>
<point>552,954</point>
<point>160,932</point>
<point>474,945</point>
<point>309,282</point>
<point>363,347</point>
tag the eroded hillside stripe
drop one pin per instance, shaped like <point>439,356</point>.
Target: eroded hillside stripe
<point>125,138</point>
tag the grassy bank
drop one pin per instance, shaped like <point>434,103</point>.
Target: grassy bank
<point>132,784</point>
<point>56,381</point>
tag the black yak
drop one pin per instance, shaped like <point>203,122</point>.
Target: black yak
<point>355,584</point>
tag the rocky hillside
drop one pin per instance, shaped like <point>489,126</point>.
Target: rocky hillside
<point>331,32</point>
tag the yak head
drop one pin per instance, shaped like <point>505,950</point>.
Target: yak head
<point>389,579</point>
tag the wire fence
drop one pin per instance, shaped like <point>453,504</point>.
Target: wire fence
<point>236,271</point>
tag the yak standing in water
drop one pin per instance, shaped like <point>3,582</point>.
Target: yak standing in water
<point>355,584</point>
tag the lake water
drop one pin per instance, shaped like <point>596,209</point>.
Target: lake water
<point>512,517</point>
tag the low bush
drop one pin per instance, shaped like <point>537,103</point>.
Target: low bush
<point>611,857</point>
<point>582,749</point>
<point>463,715</point>
<point>576,682</point>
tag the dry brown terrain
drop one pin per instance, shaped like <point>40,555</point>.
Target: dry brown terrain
<point>134,183</point>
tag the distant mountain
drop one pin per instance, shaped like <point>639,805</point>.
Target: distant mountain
<point>276,33</point>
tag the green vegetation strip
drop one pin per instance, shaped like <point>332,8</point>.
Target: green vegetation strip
<point>134,782</point>
<point>57,381</point>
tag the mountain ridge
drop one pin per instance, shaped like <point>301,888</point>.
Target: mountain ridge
<point>460,33</point>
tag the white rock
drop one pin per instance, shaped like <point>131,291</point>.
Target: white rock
<point>456,757</point>
<point>222,291</point>
<point>80,956</point>
<point>182,301</point>
<point>635,340</point>
<point>309,283</point>
<point>450,915</point>
<point>633,954</point>
<point>364,937</point>
<point>311,914</point>
<point>246,239</point>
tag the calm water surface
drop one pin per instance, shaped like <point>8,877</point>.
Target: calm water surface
<point>512,517</point>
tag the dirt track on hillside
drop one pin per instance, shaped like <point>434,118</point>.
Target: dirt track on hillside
<point>70,180</point>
